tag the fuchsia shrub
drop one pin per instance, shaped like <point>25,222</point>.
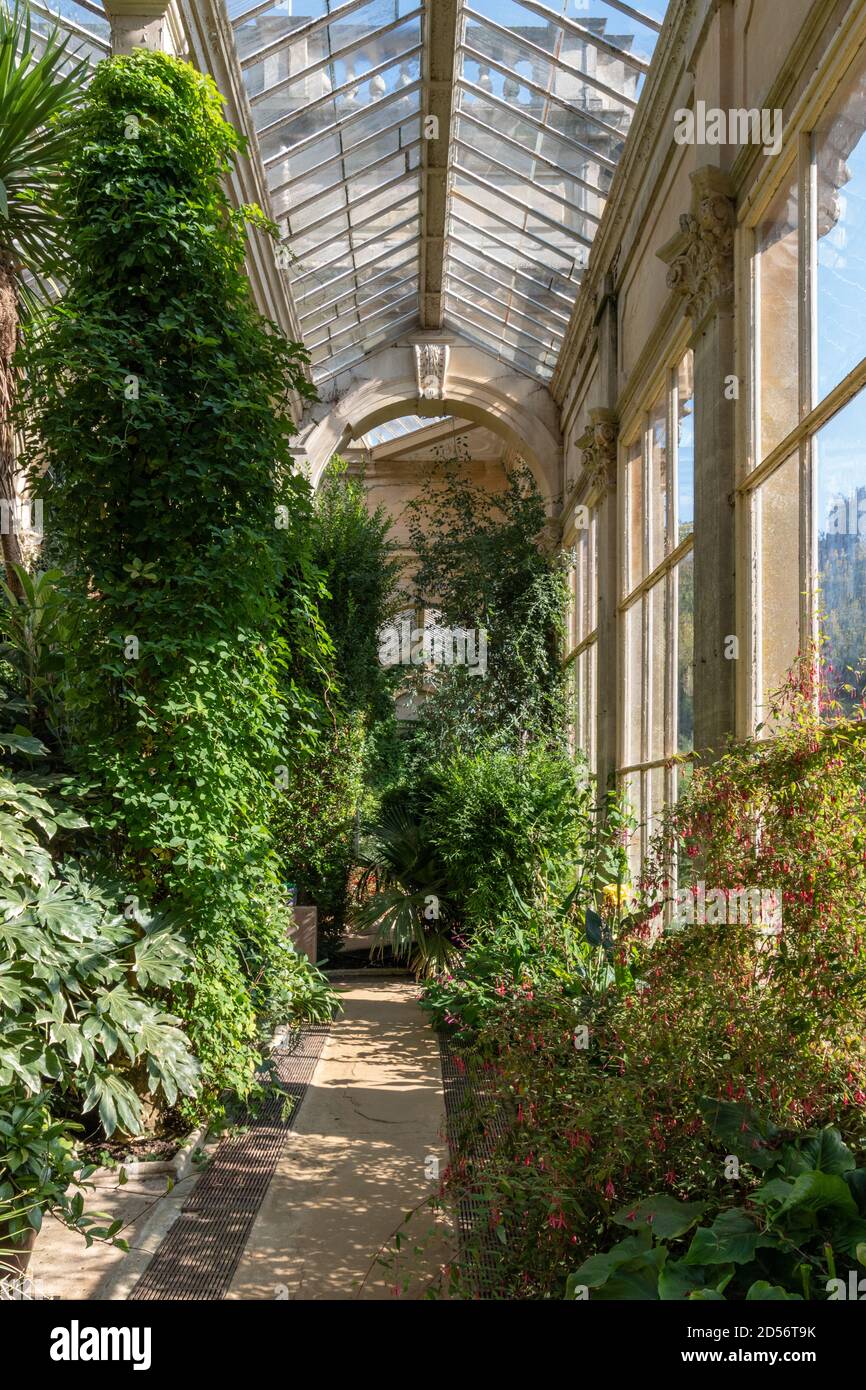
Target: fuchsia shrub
<point>722,1010</point>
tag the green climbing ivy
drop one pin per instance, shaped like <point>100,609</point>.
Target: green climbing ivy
<point>159,405</point>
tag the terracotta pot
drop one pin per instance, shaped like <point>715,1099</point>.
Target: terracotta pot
<point>15,1257</point>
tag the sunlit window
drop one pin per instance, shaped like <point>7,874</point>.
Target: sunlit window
<point>808,581</point>
<point>657,612</point>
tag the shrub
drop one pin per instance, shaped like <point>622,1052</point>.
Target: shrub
<point>798,1233</point>
<point>483,837</point>
<point>349,700</point>
<point>510,828</point>
<point>482,564</point>
<point>72,967</point>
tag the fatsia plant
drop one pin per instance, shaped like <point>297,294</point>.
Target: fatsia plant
<point>39,83</point>
<point>74,1026</point>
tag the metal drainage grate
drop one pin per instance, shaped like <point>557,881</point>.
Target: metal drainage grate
<point>475,1122</point>
<point>199,1256</point>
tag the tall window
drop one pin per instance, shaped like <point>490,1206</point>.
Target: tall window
<point>657,609</point>
<point>583,633</point>
<point>806,493</point>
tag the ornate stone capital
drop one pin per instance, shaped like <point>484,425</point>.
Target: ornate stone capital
<point>431,365</point>
<point>136,24</point>
<point>598,446</point>
<point>701,257</point>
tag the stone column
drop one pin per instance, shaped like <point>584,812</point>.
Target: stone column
<point>599,447</point>
<point>701,261</point>
<point>136,24</point>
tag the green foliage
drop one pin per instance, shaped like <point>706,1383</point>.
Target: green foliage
<point>351,546</point>
<point>481,564</point>
<point>486,837</point>
<point>40,1173</point>
<point>34,633</point>
<point>38,86</point>
<point>315,823</point>
<point>509,827</point>
<point>403,888</point>
<point>800,1233</point>
<point>167,473</point>
<point>349,706</point>
<point>71,970</point>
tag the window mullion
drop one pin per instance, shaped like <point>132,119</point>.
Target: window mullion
<point>807,358</point>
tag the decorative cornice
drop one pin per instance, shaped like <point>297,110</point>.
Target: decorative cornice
<point>701,255</point>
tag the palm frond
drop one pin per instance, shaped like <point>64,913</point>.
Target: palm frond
<point>37,90</point>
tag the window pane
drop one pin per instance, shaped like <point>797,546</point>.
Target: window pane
<point>635,512</point>
<point>685,591</point>
<point>585,704</point>
<point>685,447</point>
<point>633,682</point>
<point>655,787</point>
<point>840,155</point>
<point>631,787</point>
<point>777,533</point>
<point>656,602</point>
<point>658,500</point>
<point>841,469</point>
<point>777,279</point>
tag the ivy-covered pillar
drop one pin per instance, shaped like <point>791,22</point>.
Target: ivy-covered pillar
<point>136,24</point>
<point>701,261</point>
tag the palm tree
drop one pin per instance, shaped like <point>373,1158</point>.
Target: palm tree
<point>35,92</point>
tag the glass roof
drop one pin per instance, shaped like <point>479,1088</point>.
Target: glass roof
<point>543,96</point>
<point>84,20</point>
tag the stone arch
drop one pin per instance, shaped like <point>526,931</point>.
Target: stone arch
<point>477,387</point>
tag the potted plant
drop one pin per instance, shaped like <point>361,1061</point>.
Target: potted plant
<point>41,1174</point>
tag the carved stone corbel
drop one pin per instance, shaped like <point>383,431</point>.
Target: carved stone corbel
<point>701,256</point>
<point>431,365</point>
<point>598,445</point>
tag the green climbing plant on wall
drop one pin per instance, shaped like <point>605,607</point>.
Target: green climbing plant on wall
<point>158,404</point>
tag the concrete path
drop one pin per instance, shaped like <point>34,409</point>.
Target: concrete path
<point>365,1150</point>
<point>64,1267</point>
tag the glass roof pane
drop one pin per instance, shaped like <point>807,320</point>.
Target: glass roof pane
<point>398,429</point>
<point>335,90</point>
<point>546,93</point>
<point>84,21</point>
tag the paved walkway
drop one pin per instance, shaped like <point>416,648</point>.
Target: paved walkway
<point>365,1150</point>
